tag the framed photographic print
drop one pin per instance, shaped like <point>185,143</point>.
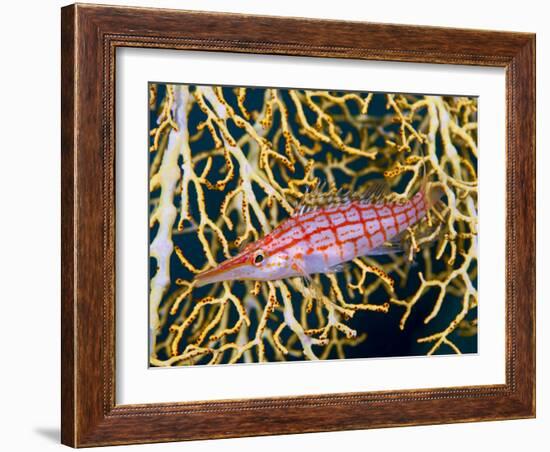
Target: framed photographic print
<point>281,225</point>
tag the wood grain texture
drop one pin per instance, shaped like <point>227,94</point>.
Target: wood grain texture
<point>68,339</point>
<point>90,36</point>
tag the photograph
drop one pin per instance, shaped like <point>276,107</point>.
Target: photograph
<point>294,224</point>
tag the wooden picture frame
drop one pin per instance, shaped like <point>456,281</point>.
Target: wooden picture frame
<point>90,36</point>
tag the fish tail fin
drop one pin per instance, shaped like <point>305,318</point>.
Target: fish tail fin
<point>432,192</point>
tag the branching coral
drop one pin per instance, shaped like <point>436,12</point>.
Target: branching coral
<point>227,165</point>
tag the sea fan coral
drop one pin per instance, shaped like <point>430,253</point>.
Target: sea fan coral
<point>228,164</point>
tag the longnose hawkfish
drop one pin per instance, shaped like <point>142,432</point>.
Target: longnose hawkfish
<point>325,231</point>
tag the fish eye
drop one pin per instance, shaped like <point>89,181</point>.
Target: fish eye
<point>258,258</point>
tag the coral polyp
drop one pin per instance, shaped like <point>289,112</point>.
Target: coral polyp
<point>228,165</point>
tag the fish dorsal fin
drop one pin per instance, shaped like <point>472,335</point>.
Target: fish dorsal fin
<point>375,191</point>
<point>318,197</point>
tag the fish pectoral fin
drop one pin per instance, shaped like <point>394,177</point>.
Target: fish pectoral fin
<point>395,245</point>
<point>315,290</point>
<point>306,279</point>
<point>337,268</point>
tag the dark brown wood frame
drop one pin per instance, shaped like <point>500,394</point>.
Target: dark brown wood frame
<point>90,35</point>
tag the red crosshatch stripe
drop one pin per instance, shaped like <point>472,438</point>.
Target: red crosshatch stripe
<point>354,243</point>
<point>396,217</point>
<point>411,209</point>
<point>395,224</point>
<point>346,233</point>
<point>300,226</point>
<point>364,224</point>
<point>334,229</point>
<point>380,225</point>
<point>350,213</point>
<point>322,214</point>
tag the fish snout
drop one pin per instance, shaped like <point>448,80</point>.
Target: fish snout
<point>228,270</point>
